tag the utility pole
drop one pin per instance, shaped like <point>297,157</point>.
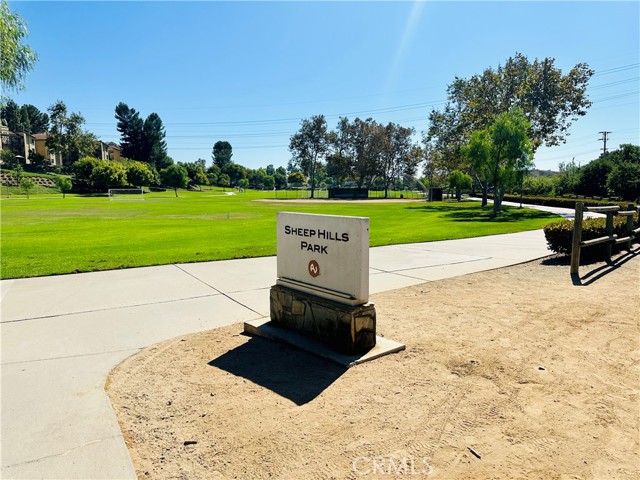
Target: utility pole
<point>604,139</point>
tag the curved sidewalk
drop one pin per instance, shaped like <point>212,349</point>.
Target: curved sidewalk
<point>62,335</point>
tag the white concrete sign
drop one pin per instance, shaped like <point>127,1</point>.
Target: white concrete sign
<point>325,255</point>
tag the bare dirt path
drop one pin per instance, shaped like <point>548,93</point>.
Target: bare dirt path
<point>538,376</point>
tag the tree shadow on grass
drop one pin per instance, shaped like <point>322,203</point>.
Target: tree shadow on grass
<point>284,370</point>
<point>475,213</point>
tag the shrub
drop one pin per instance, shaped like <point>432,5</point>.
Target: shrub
<point>559,235</point>
<point>107,175</point>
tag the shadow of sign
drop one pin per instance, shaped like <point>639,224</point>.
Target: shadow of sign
<point>293,374</point>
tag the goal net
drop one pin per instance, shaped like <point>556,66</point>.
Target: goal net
<point>128,193</point>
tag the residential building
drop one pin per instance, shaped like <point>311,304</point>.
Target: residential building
<point>41,147</point>
<point>20,143</point>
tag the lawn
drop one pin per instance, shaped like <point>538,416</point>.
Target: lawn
<point>48,235</point>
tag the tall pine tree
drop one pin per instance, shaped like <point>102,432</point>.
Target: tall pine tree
<point>142,140</point>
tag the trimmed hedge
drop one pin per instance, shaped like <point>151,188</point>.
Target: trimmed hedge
<point>559,235</point>
<point>562,202</point>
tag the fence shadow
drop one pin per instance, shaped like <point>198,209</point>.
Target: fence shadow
<point>284,370</point>
<point>605,269</point>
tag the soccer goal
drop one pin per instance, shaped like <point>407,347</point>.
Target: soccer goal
<point>126,193</point>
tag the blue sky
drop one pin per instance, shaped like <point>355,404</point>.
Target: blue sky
<point>248,72</point>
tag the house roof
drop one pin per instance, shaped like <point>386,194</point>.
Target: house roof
<point>40,136</point>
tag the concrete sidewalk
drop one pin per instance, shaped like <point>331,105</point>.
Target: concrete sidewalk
<point>62,335</point>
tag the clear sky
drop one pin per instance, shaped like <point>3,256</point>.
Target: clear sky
<point>248,72</point>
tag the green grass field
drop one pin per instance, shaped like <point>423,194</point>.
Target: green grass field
<point>48,235</point>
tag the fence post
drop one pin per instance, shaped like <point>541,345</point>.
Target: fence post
<point>609,231</point>
<point>577,238</point>
<point>629,231</point>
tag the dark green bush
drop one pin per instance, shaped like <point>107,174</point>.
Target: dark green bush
<point>559,235</point>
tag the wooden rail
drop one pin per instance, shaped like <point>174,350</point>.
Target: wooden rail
<point>610,239</point>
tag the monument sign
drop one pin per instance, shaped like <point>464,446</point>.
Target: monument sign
<point>322,288</point>
<point>324,255</point>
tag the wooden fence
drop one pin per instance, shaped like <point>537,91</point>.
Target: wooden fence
<point>610,239</point>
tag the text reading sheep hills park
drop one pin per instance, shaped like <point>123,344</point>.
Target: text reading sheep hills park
<point>319,234</point>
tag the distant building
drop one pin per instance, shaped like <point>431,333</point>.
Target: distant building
<point>23,145</point>
<point>20,143</point>
<point>41,147</point>
<point>113,152</point>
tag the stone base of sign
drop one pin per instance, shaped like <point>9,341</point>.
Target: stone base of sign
<point>348,329</point>
<point>265,328</point>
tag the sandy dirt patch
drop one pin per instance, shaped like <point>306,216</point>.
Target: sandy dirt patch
<point>537,376</point>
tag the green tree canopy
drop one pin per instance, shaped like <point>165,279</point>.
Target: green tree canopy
<point>459,181</point>
<point>309,146</point>
<point>142,140</point>
<point>130,126</point>
<point>139,174</point>
<point>67,136</point>
<point>107,174</point>
<point>550,101</point>
<point>222,153</point>
<point>17,59</point>
<point>497,153</point>
<point>64,185</point>
<point>174,176</point>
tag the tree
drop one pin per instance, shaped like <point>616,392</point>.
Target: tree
<point>368,140</point>
<point>106,175</point>
<point>196,173</point>
<point>38,162</point>
<point>155,147</point>
<point>64,185</point>
<point>174,176</point>
<point>626,153</point>
<point>131,127</point>
<point>309,146</point>
<point>26,119</point>
<point>8,158</point>
<point>280,180</point>
<point>213,173</point>
<point>396,154</point>
<point>33,119</point>
<point>235,172</point>
<point>139,174</point>
<point>624,180</point>
<point>497,152</point>
<point>221,154</point>
<point>66,135</point>
<point>444,140</point>
<point>224,180</point>
<point>12,114</point>
<point>27,185</point>
<point>270,170</point>
<point>593,178</point>
<point>142,140</point>
<point>18,59</point>
<point>459,181</point>
<point>549,100</point>
<point>568,178</point>
<point>297,178</point>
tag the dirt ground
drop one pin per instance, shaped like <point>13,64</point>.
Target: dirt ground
<point>511,373</point>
